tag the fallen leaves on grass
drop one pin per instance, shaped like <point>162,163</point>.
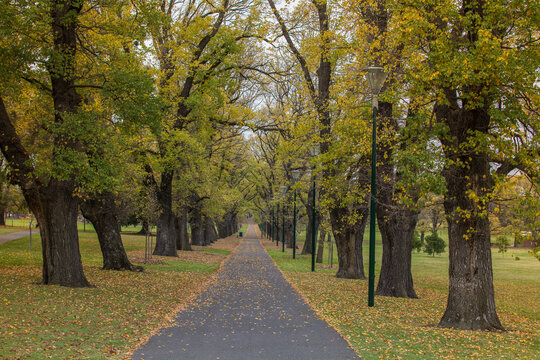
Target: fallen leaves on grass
<point>400,328</point>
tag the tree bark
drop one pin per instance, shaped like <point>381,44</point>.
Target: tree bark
<point>359,240</point>
<point>320,248</point>
<point>471,300</point>
<point>101,211</point>
<point>396,221</point>
<point>397,232</point>
<point>182,236</point>
<point>56,211</point>
<point>166,231</point>
<point>306,249</point>
<point>2,217</point>
<point>197,230</point>
<point>345,236</point>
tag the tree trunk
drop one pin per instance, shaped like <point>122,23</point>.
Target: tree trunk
<point>306,249</point>
<point>182,236</point>
<point>471,300</point>
<point>396,221</point>
<point>209,231</point>
<point>57,212</point>
<point>2,217</point>
<point>101,211</point>
<point>166,231</point>
<point>145,228</point>
<point>396,224</point>
<point>359,240</point>
<point>320,248</point>
<point>345,236</point>
<point>223,230</point>
<point>197,230</point>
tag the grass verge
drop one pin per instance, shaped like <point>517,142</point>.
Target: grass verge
<point>106,321</point>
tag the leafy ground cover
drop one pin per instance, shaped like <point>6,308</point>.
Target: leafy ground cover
<point>107,321</point>
<point>405,328</point>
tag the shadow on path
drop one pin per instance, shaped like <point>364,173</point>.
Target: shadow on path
<point>250,312</point>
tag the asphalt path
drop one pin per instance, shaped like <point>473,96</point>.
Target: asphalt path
<point>16,235</point>
<point>250,312</point>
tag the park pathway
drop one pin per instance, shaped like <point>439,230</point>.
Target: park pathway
<point>250,312</point>
<point>16,235</point>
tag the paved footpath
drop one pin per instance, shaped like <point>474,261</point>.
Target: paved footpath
<point>15,235</point>
<point>250,312</point>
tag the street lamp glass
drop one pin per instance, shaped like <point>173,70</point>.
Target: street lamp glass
<point>315,149</point>
<point>295,175</point>
<point>376,78</point>
<point>284,190</point>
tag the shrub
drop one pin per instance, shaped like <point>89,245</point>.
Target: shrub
<point>434,244</point>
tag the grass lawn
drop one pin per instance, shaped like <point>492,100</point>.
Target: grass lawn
<point>405,328</point>
<point>106,321</point>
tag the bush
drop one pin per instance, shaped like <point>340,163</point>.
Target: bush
<point>502,243</point>
<point>417,243</point>
<point>434,244</point>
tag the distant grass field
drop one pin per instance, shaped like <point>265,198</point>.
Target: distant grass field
<point>404,328</point>
<point>102,322</point>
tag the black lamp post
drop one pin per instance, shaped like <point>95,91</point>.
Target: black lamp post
<point>284,193</point>
<point>295,176</point>
<point>314,150</point>
<point>376,77</point>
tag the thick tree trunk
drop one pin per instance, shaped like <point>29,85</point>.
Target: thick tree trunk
<point>359,240</point>
<point>210,234</point>
<point>320,246</point>
<point>306,249</point>
<point>288,232</point>
<point>56,211</point>
<point>197,230</point>
<point>471,300</point>
<point>2,217</point>
<point>182,236</point>
<point>223,230</point>
<point>396,221</point>
<point>396,225</point>
<point>166,231</point>
<point>345,236</point>
<point>101,211</point>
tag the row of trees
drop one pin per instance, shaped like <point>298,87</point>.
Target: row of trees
<point>191,110</point>
<point>458,119</point>
<point>139,104</point>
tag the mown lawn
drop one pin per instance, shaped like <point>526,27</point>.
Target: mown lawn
<point>405,328</point>
<point>106,321</point>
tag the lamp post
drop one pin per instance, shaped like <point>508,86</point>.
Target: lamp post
<point>295,176</point>
<point>284,193</point>
<point>376,78</point>
<point>272,227</point>
<point>314,150</point>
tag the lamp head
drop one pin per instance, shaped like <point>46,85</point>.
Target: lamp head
<point>284,190</point>
<point>295,175</point>
<point>376,77</point>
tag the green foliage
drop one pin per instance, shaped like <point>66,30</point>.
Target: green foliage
<point>535,252</point>
<point>434,244</point>
<point>502,243</point>
<point>417,242</point>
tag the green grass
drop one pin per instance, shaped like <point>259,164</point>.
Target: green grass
<point>101,322</point>
<point>402,328</point>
